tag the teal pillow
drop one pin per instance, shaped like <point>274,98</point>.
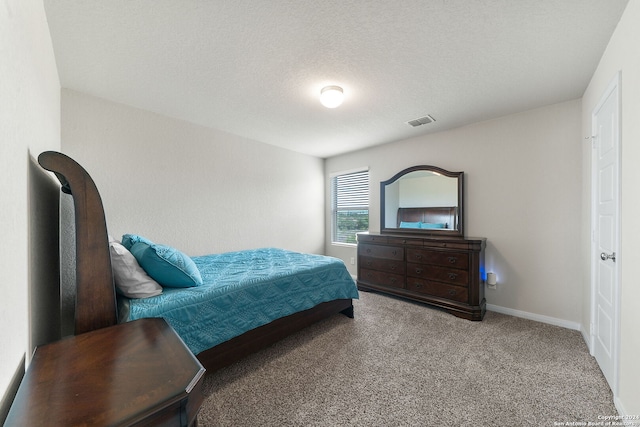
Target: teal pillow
<point>406,224</point>
<point>166,265</point>
<point>128,240</point>
<point>432,225</point>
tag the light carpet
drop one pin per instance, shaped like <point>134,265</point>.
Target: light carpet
<point>400,363</point>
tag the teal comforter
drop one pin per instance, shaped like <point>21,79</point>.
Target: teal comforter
<point>244,290</point>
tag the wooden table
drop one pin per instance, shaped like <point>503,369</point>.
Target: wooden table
<point>135,373</point>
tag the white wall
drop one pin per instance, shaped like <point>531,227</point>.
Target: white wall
<point>522,192</point>
<point>622,54</point>
<point>29,124</point>
<point>198,189</point>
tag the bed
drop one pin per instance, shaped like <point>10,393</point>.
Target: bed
<point>247,299</point>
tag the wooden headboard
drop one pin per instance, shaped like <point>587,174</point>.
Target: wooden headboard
<point>96,305</point>
<point>435,215</point>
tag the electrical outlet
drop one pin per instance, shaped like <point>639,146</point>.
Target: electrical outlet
<point>353,261</point>
<point>491,280</point>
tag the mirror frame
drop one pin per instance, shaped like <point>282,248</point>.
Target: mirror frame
<point>451,233</point>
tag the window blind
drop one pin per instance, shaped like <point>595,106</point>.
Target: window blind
<point>350,206</point>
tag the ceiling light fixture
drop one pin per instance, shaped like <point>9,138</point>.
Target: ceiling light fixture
<point>331,96</point>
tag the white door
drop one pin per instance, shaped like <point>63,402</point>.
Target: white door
<point>606,232</point>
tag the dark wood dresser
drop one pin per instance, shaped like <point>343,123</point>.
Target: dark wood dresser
<point>137,373</point>
<point>441,271</point>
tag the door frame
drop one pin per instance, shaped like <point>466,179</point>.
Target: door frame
<point>614,86</point>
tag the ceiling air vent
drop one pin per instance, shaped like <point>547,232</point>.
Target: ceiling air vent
<point>421,121</point>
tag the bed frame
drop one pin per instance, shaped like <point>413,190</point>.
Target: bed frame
<point>96,305</point>
<point>435,215</point>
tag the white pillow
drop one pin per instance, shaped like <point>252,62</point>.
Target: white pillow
<point>130,278</point>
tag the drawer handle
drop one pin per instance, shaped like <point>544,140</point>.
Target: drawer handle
<point>393,267</point>
<point>369,263</point>
<point>419,285</point>
<point>368,251</point>
<point>394,252</point>
<point>419,270</point>
<point>392,280</point>
<point>452,292</point>
<point>452,260</point>
<point>452,276</point>
<point>418,256</point>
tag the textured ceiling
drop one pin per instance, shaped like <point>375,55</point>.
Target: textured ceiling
<point>255,68</point>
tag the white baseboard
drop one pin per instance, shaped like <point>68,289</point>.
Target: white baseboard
<point>587,339</point>
<point>537,317</point>
<point>619,407</point>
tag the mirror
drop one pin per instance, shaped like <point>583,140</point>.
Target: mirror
<point>422,200</point>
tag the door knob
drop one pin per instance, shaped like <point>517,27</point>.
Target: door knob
<point>611,256</point>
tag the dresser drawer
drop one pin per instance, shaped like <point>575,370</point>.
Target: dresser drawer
<point>442,258</point>
<point>382,264</point>
<point>405,242</point>
<point>364,238</point>
<point>451,292</point>
<point>381,251</point>
<point>381,278</point>
<point>442,274</point>
<point>451,244</point>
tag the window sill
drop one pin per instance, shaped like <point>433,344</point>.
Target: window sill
<point>346,245</point>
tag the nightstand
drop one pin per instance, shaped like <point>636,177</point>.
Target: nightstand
<point>132,374</point>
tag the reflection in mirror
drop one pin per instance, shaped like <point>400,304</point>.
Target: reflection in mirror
<point>422,199</point>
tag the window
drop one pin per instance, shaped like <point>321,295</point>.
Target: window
<point>349,206</point>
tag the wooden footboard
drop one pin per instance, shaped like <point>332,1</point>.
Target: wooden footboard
<point>256,339</point>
